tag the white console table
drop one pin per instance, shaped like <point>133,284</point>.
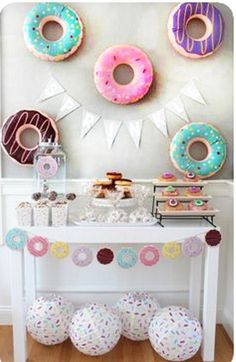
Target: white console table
<point>23,285</point>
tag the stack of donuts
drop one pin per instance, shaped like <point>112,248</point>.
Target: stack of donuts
<point>113,181</point>
<point>194,191</point>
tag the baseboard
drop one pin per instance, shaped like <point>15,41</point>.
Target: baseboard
<point>5,315</point>
<point>223,317</point>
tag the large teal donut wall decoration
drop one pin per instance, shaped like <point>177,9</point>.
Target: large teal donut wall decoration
<point>43,48</point>
<point>209,136</point>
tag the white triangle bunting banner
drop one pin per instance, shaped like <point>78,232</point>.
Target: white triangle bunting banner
<point>135,130</point>
<point>111,128</point>
<point>190,90</point>
<point>89,119</point>
<point>176,106</point>
<point>68,106</point>
<point>159,120</point>
<point>52,89</point>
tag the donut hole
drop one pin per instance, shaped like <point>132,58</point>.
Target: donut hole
<point>29,138</point>
<point>46,166</point>
<point>52,30</point>
<point>149,256</point>
<point>123,74</point>
<point>82,256</point>
<point>38,246</point>
<point>196,28</point>
<point>198,151</point>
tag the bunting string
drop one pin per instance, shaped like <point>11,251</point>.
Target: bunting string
<point>133,126</point>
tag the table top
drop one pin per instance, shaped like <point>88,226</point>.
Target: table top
<point>173,231</point>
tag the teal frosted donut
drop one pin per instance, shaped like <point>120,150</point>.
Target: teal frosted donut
<point>16,238</point>
<point>43,48</point>
<point>127,257</point>
<point>210,137</point>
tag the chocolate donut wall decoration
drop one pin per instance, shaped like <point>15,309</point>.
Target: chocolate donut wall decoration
<point>19,122</point>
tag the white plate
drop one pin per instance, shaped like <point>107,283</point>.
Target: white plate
<point>108,224</point>
<point>106,203</point>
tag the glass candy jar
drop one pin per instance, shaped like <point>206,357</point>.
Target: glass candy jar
<point>50,168</point>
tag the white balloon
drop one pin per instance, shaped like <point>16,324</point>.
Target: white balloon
<point>95,329</point>
<point>175,333</point>
<point>48,319</point>
<point>136,311</point>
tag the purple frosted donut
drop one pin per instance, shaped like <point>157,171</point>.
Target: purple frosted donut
<point>183,42</point>
<point>82,256</point>
<point>192,246</point>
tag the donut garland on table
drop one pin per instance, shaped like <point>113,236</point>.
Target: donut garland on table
<point>82,256</point>
<point>105,256</point>
<point>171,250</point>
<point>183,42</point>
<point>205,134</point>
<point>213,237</point>
<point>16,238</point>
<point>149,255</point>
<point>192,247</point>
<point>104,69</point>
<point>127,257</point>
<point>59,249</point>
<point>43,48</point>
<point>38,246</point>
<point>19,122</point>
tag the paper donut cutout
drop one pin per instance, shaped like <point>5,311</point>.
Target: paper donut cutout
<point>146,252</point>
<point>46,167</point>
<point>59,249</point>
<point>82,256</point>
<point>126,257</point>
<point>16,238</point>
<point>38,246</point>
<point>171,250</point>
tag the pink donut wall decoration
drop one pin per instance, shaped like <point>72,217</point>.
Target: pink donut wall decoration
<point>104,74</point>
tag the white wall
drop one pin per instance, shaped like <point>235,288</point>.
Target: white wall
<point>143,25</point>
<point>106,24</point>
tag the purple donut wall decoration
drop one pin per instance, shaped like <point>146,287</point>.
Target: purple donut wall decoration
<point>183,42</point>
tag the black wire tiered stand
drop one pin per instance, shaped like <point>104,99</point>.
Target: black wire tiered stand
<point>161,215</point>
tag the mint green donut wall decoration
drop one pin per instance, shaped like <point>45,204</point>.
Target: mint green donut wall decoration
<point>210,137</point>
<point>43,48</point>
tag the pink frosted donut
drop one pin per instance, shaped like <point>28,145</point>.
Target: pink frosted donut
<point>144,255</point>
<point>46,166</point>
<point>123,93</point>
<point>38,246</point>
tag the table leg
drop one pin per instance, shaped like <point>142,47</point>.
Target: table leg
<point>210,302</point>
<point>18,307</point>
<point>30,279</point>
<point>195,285</point>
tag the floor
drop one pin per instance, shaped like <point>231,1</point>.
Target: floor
<point>125,351</point>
